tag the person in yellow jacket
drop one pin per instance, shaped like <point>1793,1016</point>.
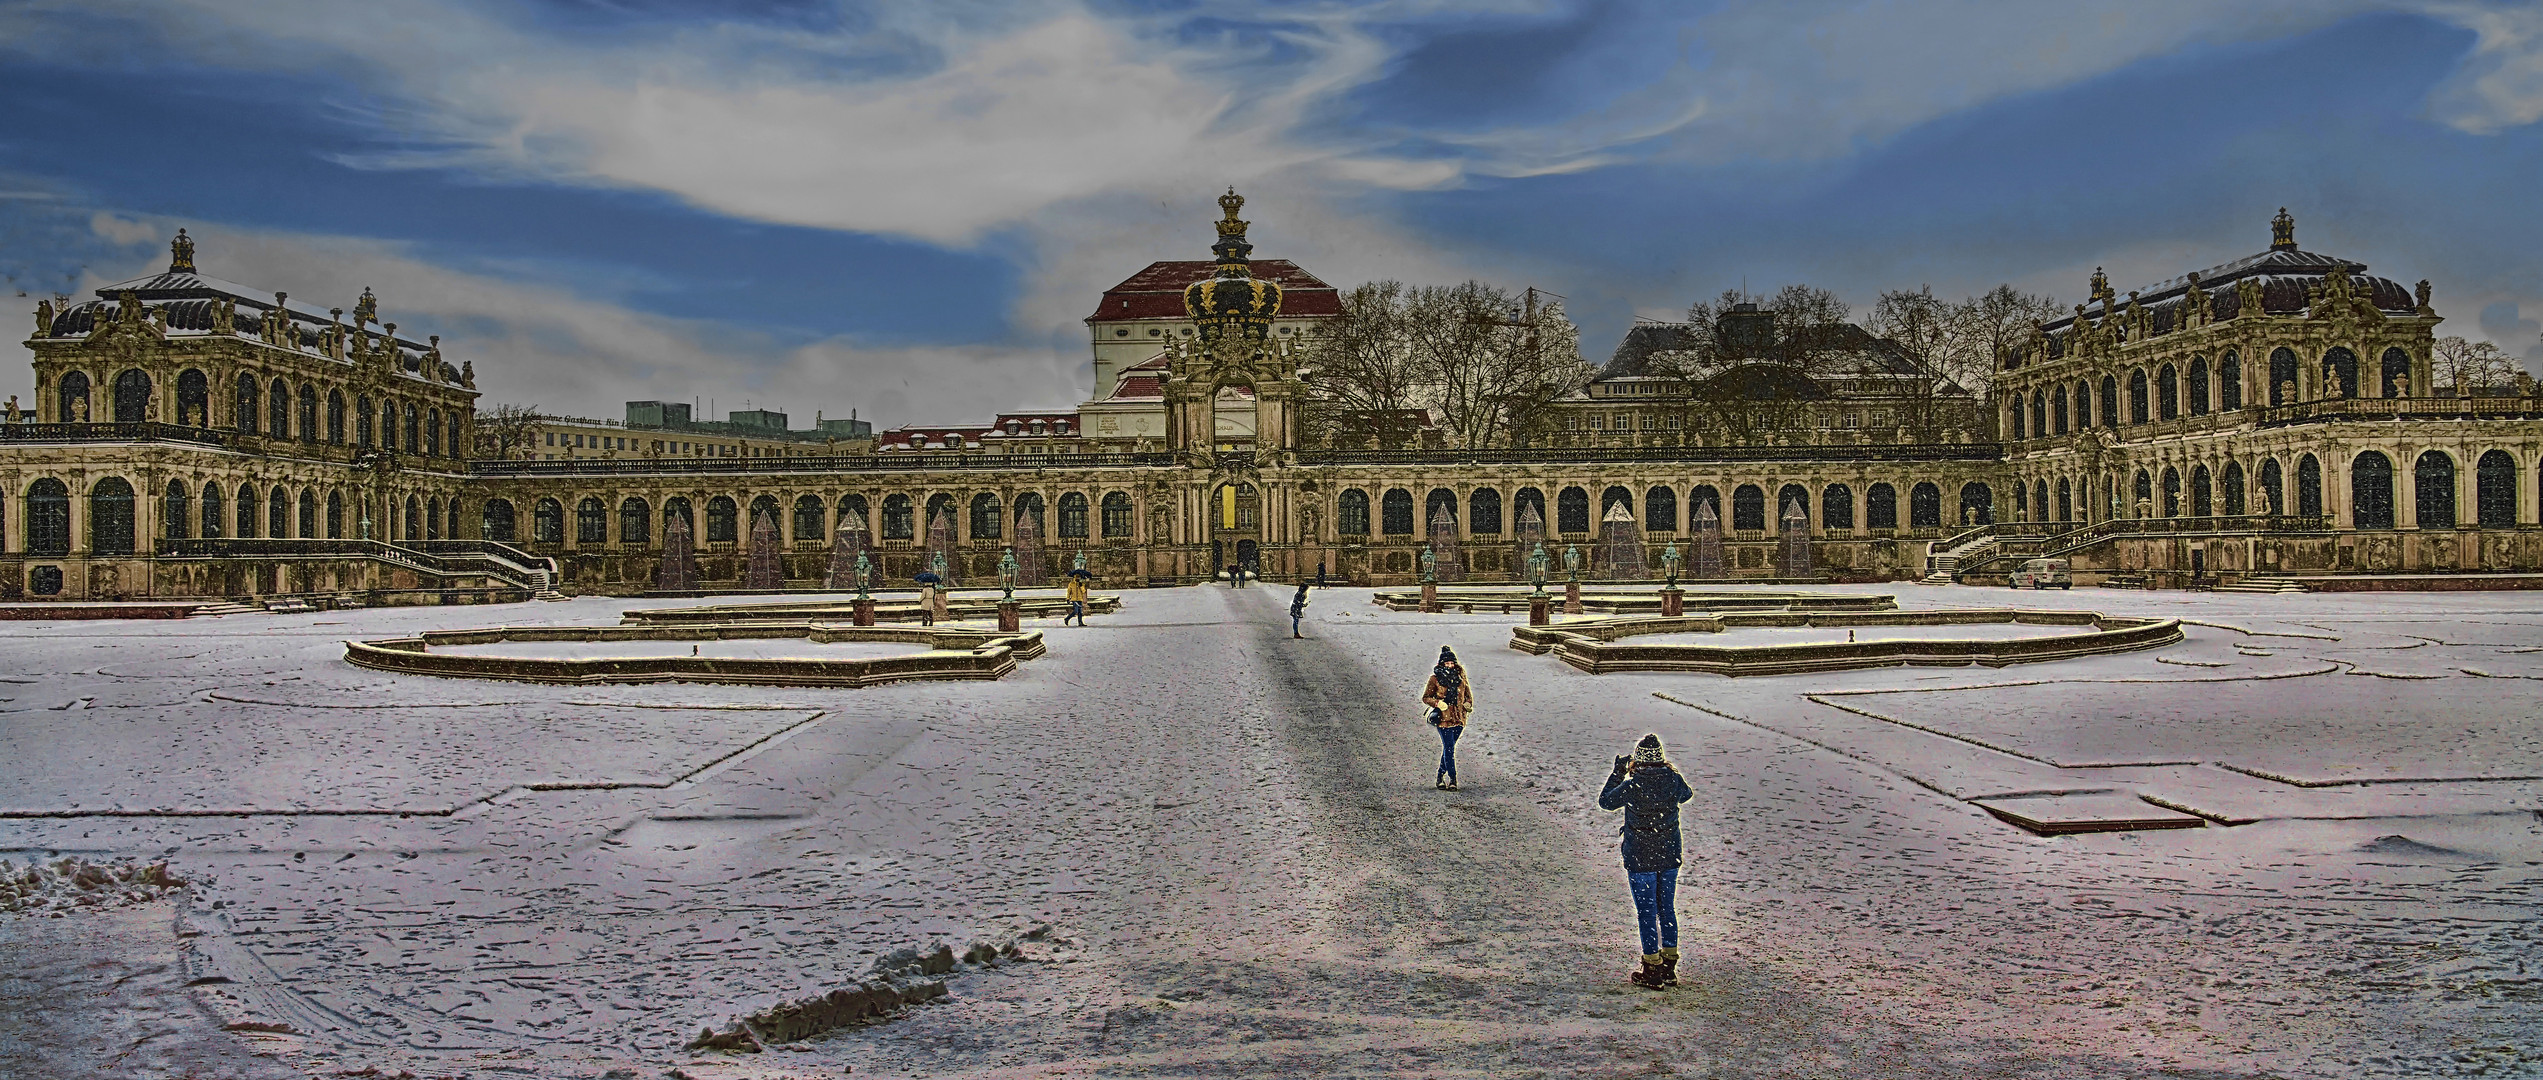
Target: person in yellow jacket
<point>1451,697</point>
<point>1076,601</point>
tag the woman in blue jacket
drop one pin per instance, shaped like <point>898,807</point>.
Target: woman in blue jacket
<point>1648,789</point>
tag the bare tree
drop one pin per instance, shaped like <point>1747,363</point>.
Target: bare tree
<point>1961,341</point>
<point>1493,362</point>
<point>1362,379</point>
<point>2469,367</point>
<point>507,431</point>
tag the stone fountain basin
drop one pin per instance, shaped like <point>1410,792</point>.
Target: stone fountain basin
<point>1628,601</point>
<point>760,653</point>
<point>1779,643</point>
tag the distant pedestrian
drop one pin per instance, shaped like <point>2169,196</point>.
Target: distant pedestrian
<point>1648,789</point>
<point>1320,573</point>
<point>1297,610</point>
<point>1076,601</point>
<point>1451,697</point>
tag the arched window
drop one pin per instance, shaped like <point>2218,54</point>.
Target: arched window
<point>2039,415</point>
<point>407,438</point>
<point>1660,509</point>
<point>132,396</point>
<point>432,432</point>
<point>2110,401</point>
<point>2040,500</point>
<point>811,518</point>
<point>414,524</point>
<point>451,526</point>
<point>1396,512</point>
<point>940,514</point>
<point>986,520</point>
<point>308,419</point>
<point>2371,490</point>
<point>250,404</point>
<point>1439,499</point>
<point>2013,421</point>
<point>2340,368</point>
<point>764,506</point>
<point>176,515</point>
<point>2137,396</point>
<point>1529,499</point>
<point>388,424</point>
<point>451,421</point>
<point>1073,516</point>
<point>1351,515</point>
<point>48,517</point>
<point>216,518</point>
<point>1924,506</point>
<point>1117,517</point>
<point>723,519</point>
<point>2083,404</point>
<point>2282,376</point>
<point>1703,499</point>
<point>677,508</point>
<point>2397,373</point>
<point>1028,507</point>
<point>362,420</point>
<point>2495,490</point>
<point>898,524</point>
<point>547,522</point>
<point>1748,507</point>
<point>2273,488</point>
<point>852,508</point>
<point>2433,490</point>
<point>635,521</point>
<point>248,509</point>
<point>1613,497</point>
<point>72,403</point>
<point>1977,504</point>
<point>591,521</point>
<point>1571,510</point>
<point>335,517</point>
<point>2309,487</point>
<point>194,399</point>
<point>1880,507</point>
<point>2198,386</point>
<point>2171,492</point>
<point>1483,512</point>
<point>2145,494</point>
<point>1790,498</point>
<point>110,528</point>
<point>2021,501</point>
<point>278,512</point>
<point>1836,506</point>
<point>2230,484</point>
<point>2202,492</point>
<point>309,513</point>
<point>2057,409</point>
<point>2065,500</point>
<point>2229,382</point>
<point>335,416</point>
<point>278,409</point>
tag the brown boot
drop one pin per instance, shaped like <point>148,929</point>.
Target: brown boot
<point>1649,977</point>
<point>1669,966</point>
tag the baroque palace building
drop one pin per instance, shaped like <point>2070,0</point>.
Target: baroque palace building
<point>193,439</point>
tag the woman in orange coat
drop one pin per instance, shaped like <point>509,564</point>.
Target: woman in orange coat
<point>1451,697</point>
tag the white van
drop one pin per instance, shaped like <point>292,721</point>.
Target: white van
<point>2044,574</point>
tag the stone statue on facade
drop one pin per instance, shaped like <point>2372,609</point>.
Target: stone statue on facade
<point>13,413</point>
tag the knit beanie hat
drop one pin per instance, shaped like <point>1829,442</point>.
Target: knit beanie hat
<point>1447,655</point>
<point>1647,752</point>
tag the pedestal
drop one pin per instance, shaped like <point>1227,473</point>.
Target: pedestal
<point>1673,602</point>
<point>1430,597</point>
<point>864,612</point>
<point>1571,598</point>
<point>1010,616</point>
<point>1536,611</point>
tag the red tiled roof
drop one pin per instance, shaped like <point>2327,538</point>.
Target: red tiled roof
<point>1157,292</point>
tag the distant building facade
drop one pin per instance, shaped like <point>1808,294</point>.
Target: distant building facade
<point>2273,413</point>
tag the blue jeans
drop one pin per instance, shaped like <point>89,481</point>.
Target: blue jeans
<point>1656,906</point>
<point>1448,751</point>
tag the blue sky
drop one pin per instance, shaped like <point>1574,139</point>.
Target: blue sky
<point>905,209</point>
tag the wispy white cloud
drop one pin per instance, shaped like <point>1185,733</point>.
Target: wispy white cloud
<point>2500,85</point>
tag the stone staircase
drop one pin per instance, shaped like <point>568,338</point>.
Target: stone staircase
<point>230,607</point>
<point>541,588</point>
<point>2264,583</point>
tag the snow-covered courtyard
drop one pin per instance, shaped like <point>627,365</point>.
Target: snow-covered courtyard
<point>1218,852</point>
